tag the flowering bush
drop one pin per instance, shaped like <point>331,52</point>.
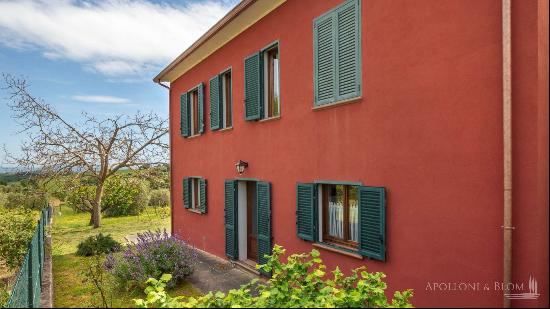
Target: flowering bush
<point>153,254</point>
<point>301,282</point>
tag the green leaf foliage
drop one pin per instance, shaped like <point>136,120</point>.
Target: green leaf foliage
<point>98,244</point>
<point>301,282</point>
<point>16,229</point>
<point>125,196</point>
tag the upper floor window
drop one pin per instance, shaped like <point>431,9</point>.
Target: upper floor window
<point>192,111</point>
<point>337,54</point>
<point>271,82</point>
<point>262,92</point>
<point>221,101</point>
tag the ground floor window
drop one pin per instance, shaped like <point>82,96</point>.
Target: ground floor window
<point>343,216</point>
<point>194,194</point>
<point>339,206</point>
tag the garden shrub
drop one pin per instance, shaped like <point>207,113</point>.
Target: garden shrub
<point>160,198</point>
<point>4,293</point>
<point>79,196</point>
<point>16,229</point>
<point>151,256</point>
<point>3,199</point>
<point>98,244</point>
<point>28,200</point>
<point>301,282</point>
<point>124,196</point>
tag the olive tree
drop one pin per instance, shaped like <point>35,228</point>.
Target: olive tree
<point>92,147</point>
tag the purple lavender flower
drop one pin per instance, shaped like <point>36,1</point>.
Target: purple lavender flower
<point>152,255</point>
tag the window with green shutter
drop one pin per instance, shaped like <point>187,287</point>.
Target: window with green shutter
<point>262,84</point>
<point>194,194</point>
<point>343,215</point>
<point>200,108</point>
<point>221,101</point>
<point>184,115</point>
<point>337,54</point>
<point>253,87</point>
<point>202,195</point>
<point>263,200</point>
<point>230,210</point>
<point>305,211</point>
<point>214,84</point>
<point>186,193</point>
<point>372,230</point>
<point>192,111</point>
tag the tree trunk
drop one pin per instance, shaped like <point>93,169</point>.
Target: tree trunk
<point>96,212</point>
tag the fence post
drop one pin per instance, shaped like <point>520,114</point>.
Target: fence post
<point>40,249</point>
<point>30,296</point>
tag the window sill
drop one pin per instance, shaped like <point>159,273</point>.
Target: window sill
<point>225,129</point>
<point>194,136</point>
<point>337,103</point>
<point>337,249</point>
<point>194,211</point>
<point>270,119</point>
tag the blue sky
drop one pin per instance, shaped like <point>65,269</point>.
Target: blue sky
<point>99,56</point>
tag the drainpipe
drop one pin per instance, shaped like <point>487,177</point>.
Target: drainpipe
<point>170,170</point>
<point>507,226</point>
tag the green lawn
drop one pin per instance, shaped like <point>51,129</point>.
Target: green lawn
<point>70,228</point>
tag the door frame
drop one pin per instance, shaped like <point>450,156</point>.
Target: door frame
<point>241,230</point>
<point>242,214</point>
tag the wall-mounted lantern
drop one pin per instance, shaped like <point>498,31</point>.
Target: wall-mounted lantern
<point>241,165</point>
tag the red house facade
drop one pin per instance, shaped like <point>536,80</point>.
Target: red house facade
<point>372,131</point>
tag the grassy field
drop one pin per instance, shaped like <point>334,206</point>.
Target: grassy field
<point>70,228</point>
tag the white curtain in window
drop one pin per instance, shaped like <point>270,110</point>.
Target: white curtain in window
<point>336,219</point>
<point>353,221</point>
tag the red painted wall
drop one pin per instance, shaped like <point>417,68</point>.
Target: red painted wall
<point>428,128</point>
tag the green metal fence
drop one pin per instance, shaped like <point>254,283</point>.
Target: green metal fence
<point>28,285</point>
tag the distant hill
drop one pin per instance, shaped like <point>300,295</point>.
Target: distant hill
<point>6,169</point>
<point>13,177</point>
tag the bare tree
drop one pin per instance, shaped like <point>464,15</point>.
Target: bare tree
<point>94,147</point>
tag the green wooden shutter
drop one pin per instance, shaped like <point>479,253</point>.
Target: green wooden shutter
<point>201,107</point>
<point>372,222</point>
<point>337,54</point>
<point>324,48</point>
<point>348,79</point>
<point>231,240</point>
<point>184,115</point>
<point>253,87</point>
<point>263,201</point>
<point>306,209</point>
<point>186,192</point>
<point>202,189</point>
<point>215,103</point>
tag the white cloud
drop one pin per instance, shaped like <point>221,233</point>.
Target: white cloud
<point>112,37</point>
<point>100,99</point>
